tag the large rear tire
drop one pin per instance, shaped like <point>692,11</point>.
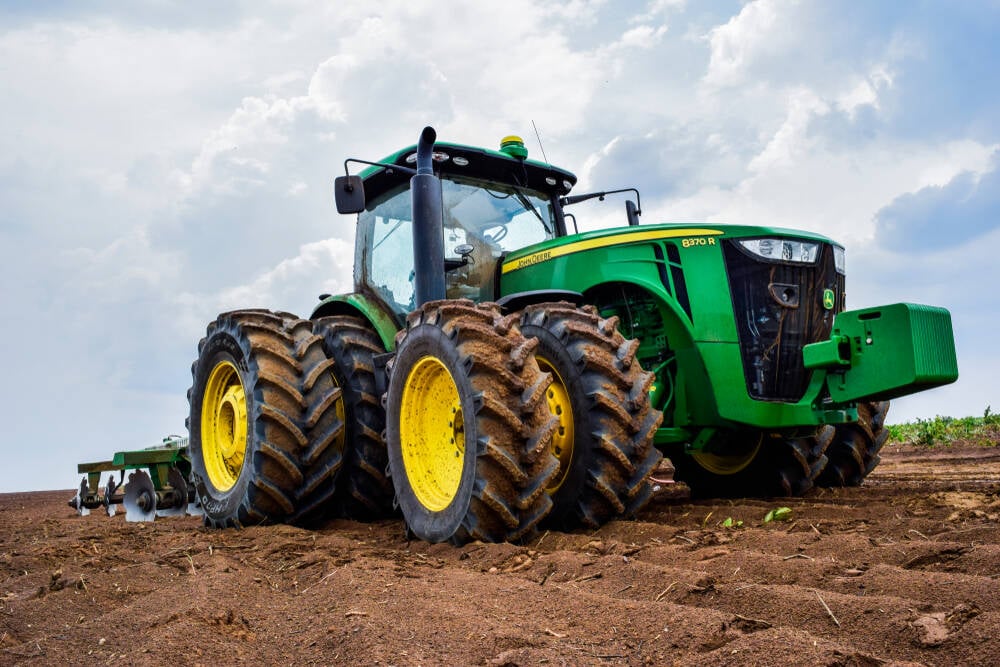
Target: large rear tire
<point>600,395</point>
<point>265,436</point>
<point>854,452</point>
<point>468,430</point>
<point>754,465</point>
<point>364,490</point>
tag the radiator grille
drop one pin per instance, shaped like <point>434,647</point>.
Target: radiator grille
<point>779,309</point>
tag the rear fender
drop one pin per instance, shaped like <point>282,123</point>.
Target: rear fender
<point>361,305</point>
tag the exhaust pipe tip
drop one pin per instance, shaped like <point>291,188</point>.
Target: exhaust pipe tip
<point>425,151</point>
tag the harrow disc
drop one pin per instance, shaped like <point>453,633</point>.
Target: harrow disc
<point>140,497</point>
<point>179,495</point>
<point>77,502</point>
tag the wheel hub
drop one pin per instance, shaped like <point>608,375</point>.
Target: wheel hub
<point>557,398</point>
<point>224,426</point>
<point>729,459</point>
<point>432,433</point>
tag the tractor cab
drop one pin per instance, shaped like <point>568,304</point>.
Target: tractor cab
<point>492,203</point>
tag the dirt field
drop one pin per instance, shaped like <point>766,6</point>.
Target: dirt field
<point>903,570</point>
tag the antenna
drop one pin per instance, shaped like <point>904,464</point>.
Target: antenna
<point>539,137</point>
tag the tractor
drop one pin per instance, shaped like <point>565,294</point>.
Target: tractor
<point>494,371</point>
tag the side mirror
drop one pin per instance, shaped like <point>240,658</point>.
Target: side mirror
<point>349,191</point>
<point>632,213</point>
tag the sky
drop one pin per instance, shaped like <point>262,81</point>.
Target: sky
<point>161,162</point>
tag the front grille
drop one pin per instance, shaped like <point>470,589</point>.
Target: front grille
<point>779,309</point>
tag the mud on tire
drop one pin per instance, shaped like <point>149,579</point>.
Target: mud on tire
<point>854,452</point>
<point>482,472</point>
<point>605,437</point>
<point>264,441</point>
<point>364,490</point>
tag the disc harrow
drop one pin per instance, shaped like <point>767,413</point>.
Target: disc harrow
<point>158,484</point>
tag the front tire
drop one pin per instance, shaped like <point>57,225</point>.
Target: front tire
<point>600,394</point>
<point>855,449</point>
<point>753,465</point>
<point>264,429</point>
<point>468,431</point>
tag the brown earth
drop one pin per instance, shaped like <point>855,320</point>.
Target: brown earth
<point>903,570</point>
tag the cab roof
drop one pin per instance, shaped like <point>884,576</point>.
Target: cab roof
<point>473,162</point>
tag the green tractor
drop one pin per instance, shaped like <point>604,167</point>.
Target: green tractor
<point>494,372</point>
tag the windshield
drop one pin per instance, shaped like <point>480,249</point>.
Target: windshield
<point>491,218</point>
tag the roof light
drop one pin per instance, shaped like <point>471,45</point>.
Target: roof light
<point>437,156</point>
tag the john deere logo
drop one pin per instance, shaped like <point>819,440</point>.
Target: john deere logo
<point>829,299</point>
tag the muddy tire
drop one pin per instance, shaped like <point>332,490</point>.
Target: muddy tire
<point>854,452</point>
<point>264,430</point>
<point>762,468</point>
<point>468,430</point>
<point>600,395</point>
<point>364,490</point>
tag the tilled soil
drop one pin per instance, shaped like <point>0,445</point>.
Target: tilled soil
<point>903,570</point>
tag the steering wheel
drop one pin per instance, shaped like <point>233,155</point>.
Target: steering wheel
<point>494,238</point>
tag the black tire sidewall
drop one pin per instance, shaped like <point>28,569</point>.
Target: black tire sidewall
<point>555,353</point>
<point>221,346</point>
<point>421,341</point>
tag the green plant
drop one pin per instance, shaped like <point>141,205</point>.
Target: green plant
<point>941,430</point>
<point>778,514</point>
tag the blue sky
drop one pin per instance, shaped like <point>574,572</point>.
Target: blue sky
<point>161,162</point>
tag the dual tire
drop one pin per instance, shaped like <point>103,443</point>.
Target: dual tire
<point>266,421</point>
<point>752,464</point>
<point>834,456</point>
<point>498,424</point>
<point>495,423</point>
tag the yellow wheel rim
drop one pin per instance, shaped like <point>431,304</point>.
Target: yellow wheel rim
<point>432,432</point>
<point>224,426</point>
<point>726,463</point>
<point>557,399</point>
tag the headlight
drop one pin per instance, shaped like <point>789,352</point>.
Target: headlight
<point>783,250</point>
<point>839,259</point>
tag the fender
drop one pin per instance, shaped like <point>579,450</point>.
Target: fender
<point>514,302</point>
<point>361,305</point>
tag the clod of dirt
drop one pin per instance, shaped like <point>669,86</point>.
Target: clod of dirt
<point>57,582</point>
<point>934,629</point>
<point>931,630</point>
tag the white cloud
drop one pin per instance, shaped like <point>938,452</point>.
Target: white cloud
<point>734,45</point>
<point>865,92</point>
<point>792,139</point>
<point>333,258</point>
<point>643,37</point>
